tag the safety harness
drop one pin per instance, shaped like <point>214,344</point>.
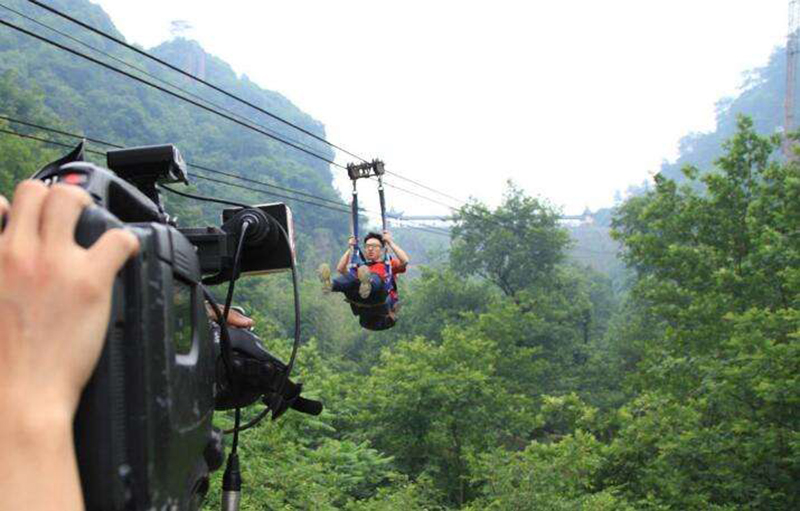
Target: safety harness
<point>359,171</point>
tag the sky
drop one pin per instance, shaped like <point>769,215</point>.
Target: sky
<point>573,101</point>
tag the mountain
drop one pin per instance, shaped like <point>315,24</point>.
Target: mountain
<point>84,97</point>
<point>761,98</point>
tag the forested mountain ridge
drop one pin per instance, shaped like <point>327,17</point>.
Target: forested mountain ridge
<point>102,104</point>
<point>515,378</point>
<point>761,98</point>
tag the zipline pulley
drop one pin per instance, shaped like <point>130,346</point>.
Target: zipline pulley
<point>358,171</point>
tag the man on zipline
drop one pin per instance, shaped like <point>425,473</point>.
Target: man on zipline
<point>369,287</point>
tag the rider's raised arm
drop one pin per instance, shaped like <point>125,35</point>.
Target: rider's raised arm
<point>341,267</point>
<point>399,252</point>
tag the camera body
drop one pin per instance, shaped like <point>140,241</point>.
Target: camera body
<point>143,430</point>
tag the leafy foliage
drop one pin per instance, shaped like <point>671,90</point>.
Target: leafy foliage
<point>516,378</point>
<point>515,247</point>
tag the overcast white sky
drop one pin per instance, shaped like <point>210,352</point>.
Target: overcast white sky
<point>572,100</point>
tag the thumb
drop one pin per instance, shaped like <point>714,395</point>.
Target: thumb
<point>112,250</point>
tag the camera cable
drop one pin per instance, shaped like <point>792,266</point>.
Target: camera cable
<point>275,401</point>
<point>232,478</point>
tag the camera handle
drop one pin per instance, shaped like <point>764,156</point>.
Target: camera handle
<point>254,373</point>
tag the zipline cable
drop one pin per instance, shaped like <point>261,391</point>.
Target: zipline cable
<point>145,72</point>
<point>189,75</point>
<point>460,201</point>
<point>234,185</point>
<point>226,93</point>
<point>193,165</point>
<point>204,168</point>
<point>390,185</point>
<point>167,91</point>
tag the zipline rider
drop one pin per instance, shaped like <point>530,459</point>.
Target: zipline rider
<point>372,288</point>
<point>370,272</point>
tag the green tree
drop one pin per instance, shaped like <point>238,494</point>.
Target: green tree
<point>442,297</point>
<point>715,426</point>
<point>553,476</point>
<point>432,406</point>
<point>516,247</point>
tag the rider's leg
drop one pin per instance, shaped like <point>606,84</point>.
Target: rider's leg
<point>347,284</point>
<point>377,292</point>
<point>365,281</point>
<point>353,282</point>
<point>324,274</point>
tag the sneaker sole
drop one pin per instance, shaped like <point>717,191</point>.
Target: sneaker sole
<point>365,288</point>
<point>324,273</point>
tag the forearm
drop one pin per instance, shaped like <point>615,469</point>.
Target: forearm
<point>39,471</point>
<point>342,266</point>
<point>400,253</point>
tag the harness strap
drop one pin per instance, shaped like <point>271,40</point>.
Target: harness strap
<point>365,305</point>
<point>383,201</point>
<point>390,283</point>
<point>356,257</point>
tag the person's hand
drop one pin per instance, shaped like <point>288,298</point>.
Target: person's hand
<point>387,237</point>
<point>55,301</point>
<point>352,241</point>
<point>235,318</point>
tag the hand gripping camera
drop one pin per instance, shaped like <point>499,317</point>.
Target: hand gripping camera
<point>143,431</point>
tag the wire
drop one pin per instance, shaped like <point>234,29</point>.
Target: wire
<point>250,188</point>
<point>420,196</point>
<point>248,180</point>
<point>237,261</point>
<point>296,344</point>
<point>189,75</point>
<point>270,133</point>
<point>193,165</point>
<point>31,137</point>
<point>169,92</point>
<point>425,228</point>
<point>212,86</point>
<point>426,187</point>
<point>295,287</point>
<point>226,183</point>
<point>145,72</point>
<point>60,132</point>
<point>258,418</point>
<point>200,197</point>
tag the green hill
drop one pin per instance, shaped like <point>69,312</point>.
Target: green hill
<point>761,98</point>
<point>100,103</point>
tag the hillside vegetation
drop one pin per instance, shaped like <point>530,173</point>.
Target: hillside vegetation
<point>520,376</point>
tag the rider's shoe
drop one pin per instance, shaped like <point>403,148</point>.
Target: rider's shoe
<point>365,288</point>
<point>324,274</point>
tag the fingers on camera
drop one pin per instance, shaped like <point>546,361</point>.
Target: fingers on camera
<point>4,207</point>
<point>60,212</point>
<point>25,213</point>
<point>112,250</point>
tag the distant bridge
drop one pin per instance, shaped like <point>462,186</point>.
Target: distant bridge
<point>436,218</point>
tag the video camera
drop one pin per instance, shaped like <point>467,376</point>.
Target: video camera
<point>143,430</point>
